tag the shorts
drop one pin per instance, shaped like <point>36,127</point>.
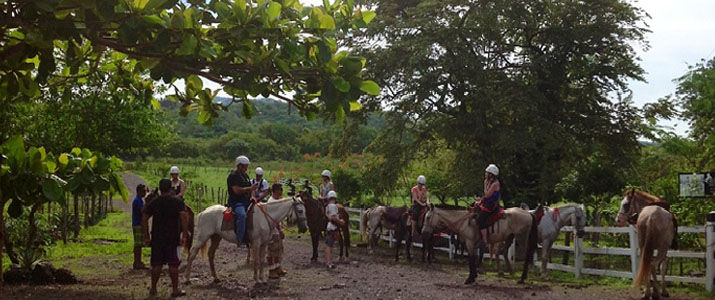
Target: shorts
<point>483,219</point>
<point>275,249</point>
<point>331,236</point>
<point>417,211</point>
<point>165,255</point>
<point>138,236</point>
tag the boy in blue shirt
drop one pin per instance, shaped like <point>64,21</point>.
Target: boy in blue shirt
<point>137,210</point>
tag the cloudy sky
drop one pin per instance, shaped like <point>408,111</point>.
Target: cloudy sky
<point>683,33</point>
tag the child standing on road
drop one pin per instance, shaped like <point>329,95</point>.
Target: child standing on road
<point>331,211</point>
<point>275,248</point>
<point>137,210</point>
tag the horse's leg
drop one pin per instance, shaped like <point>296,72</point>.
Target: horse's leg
<point>346,236</point>
<point>399,244</point>
<point>496,256</point>
<point>472,257</point>
<point>192,255</point>
<point>215,240</point>
<point>315,239</point>
<point>256,262</point>
<point>248,255</point>
<point>505,253</point>
<point>340,242</point>
<point>261,257</point>
<point>663,271</point>
<point>546,248</point>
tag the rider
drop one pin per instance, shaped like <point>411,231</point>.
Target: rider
<point>420,200</point>
<point>239,194</point>
<point>261,193</point>
<point>177,184</point>
<point>325,187</point>
<point>489,203</point>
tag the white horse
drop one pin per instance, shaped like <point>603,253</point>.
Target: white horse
<point>550,225</point>
<point>265,219</point>
<point>552,221</point>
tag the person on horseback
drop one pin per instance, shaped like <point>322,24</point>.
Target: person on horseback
<point>420,200</point>
<point>488,204</point>
<point>261,193</point>
<point>239,195</point>
<point>334,223</point>
<point>325,187</point>
<point>177,184</point>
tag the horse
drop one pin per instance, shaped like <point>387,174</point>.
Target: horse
<point>264,217</point>
<point>390,218</point>
<point>514,222</point>
<point>550,226</point>
<point>152,195</point>
<point>657,229</point>
<point>317,222</point>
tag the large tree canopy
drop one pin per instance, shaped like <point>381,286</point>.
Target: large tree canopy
<point>526,85</point>
<point>250,48</point>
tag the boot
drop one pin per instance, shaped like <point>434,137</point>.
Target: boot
<point>273,274</point>
<point>281,272</point>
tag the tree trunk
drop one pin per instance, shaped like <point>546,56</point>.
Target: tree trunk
<point>65,215</point>
<point>85,209</point>
<point>9,248</point>
<point>32,226</point>
<point>93,209</point>
<point>76,216</point>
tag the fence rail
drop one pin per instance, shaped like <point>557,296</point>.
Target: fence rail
<point>579,251</point>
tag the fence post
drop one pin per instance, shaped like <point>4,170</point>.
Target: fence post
<point>633,244</point>
<point>391,240</point>
<point>362,212</point>
<point>710,252</point>
<point>577,254</point>
<point>451,248</point>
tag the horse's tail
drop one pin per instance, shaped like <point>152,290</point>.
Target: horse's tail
<point>204,245</point>
<point>190,239</point>
<point>531,246</point>
<point>646,257</point>
<point>363,221</point>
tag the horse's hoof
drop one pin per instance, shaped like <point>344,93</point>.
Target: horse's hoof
<point>469,281</point>
<point>645,298</point>
<point>655,297</point>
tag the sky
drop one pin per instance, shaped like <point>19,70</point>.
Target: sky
<point>683,33</point>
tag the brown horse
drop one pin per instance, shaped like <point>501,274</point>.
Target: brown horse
<point>657,229</point>
<point>317,222</point>
<point>190,239</point>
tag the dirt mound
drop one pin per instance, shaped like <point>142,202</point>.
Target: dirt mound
<point>42,274</point>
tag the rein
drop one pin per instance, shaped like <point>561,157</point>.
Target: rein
<point>270,219</point>
<point>451,225</point>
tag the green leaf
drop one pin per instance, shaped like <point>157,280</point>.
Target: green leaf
<point>324,53</point>
<point>63,159</point>
<point>283,65</point>
<point>367,16</point>
<point>247,110</point>
<point>222,9</point>
<point>274,10</point>
<point>204,117</point>
<point>188,45</point>
<point>154,19</point>
<point>155,104</point>
<point>354,105</point>
<point>327,22</point>
<point>101,184</point>
<point>340,114</point>
<point>194,82</point>
<point>370,87</point>
<point>341,84</point>
<point>118,185</point>
<point>76,151</point>
<point>140,4</point>
<point>52,190</point>
<point>152,4</point>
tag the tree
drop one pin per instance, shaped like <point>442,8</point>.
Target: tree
<point>523,86</point>
<point>249,47</point>
<point>696,96</point>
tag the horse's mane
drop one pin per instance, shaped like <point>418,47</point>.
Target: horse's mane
<point>569,205</point>
<point>643,195</point>
<point>278,201</point>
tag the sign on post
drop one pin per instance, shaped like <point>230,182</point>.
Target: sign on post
<point>696,184</point>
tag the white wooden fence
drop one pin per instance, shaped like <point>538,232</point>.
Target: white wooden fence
<point>579,250</point>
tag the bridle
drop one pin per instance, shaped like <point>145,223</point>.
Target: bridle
<point>275,224</point>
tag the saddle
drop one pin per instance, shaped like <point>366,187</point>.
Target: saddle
<point>496,216</point>
<point>229,221</point>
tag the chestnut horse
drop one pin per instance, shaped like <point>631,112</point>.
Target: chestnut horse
<point>657,229</point>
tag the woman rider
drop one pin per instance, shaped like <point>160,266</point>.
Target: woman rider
<point>177,184</point>
<point>325,187</point>
<point>489,203</point>
<point>420,200</point>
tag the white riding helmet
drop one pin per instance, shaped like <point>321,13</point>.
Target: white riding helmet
<point>242,160</point>
<point>332,194</point>
<point>421,179</point>
<point>325,173</point>
<point>492,168</point>
<point>259,171</point>
<point>174,170</point>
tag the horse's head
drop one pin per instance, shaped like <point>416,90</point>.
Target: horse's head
<point>298,215</point>
<point>427,226</point>
<point>627,207</point>
<point>579,221</point>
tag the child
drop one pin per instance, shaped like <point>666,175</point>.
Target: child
<point>137,207</point>
<point>331,211</point>
<point>275,248</point>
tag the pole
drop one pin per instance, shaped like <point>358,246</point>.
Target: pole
<point>633,243</point>
<point>578,254</point>
<point>710,252</point>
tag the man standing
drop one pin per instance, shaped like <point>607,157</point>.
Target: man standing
<point>239,195</point>
<point>167,212</point>
<point>137,208</point>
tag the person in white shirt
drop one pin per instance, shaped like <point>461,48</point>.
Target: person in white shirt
<point>260,194</point>
<point>331,211</point>
<point>275,248</point>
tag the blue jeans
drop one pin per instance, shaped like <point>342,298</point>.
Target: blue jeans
<point>240,220</point>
